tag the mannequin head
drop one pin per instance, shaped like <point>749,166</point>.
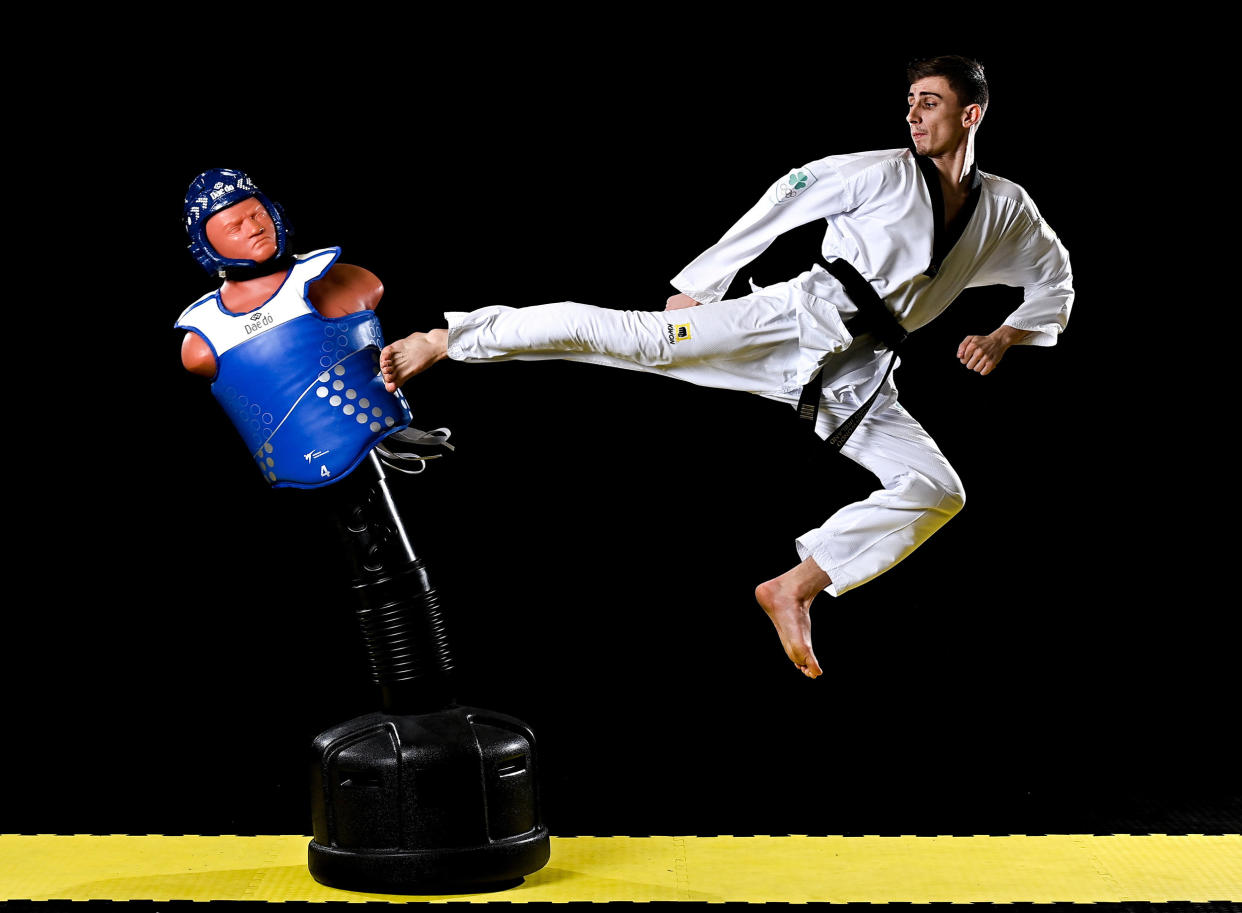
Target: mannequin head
<point>224,190</point>
<point>243,231</point>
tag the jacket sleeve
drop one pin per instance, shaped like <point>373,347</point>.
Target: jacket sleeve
<point>1038,263</point>
<point>802,195</point>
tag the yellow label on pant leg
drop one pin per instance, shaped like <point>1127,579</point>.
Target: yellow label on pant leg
<point>679,332</point>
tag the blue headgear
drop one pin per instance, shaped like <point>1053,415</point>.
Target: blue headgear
<point>217,189</point>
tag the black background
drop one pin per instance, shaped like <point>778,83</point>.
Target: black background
<point>1053,659</point>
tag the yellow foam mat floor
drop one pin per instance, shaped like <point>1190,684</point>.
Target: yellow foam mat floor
<point>1041,869</point>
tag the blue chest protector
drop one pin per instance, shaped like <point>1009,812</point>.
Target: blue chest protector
<point>303,390</point>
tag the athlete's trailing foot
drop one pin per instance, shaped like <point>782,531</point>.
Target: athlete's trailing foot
<point>787,601</point>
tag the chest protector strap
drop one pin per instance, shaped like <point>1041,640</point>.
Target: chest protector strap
<point>872,318</point>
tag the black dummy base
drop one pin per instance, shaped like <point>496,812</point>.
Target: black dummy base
<point>427,802</point>
<point>423,796</point>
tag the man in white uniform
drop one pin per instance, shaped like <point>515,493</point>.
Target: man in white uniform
<point>920,227</point>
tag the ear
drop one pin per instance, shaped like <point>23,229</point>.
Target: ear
<point>971,115</point>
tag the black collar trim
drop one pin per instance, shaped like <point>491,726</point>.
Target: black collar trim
<point>947,236</point>
<point>266,268</point>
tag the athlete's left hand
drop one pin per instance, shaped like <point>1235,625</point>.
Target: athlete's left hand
<point>981,353</point>
<point>679,301</point>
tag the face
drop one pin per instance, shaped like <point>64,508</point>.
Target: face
<point>244,231</point>
<point>938,122</point>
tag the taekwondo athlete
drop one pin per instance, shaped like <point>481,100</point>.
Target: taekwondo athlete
<point>919,226</point>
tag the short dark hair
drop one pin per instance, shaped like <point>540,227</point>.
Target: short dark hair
<point>965,76</point>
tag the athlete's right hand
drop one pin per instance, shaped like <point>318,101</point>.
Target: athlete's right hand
<point>679,301</point>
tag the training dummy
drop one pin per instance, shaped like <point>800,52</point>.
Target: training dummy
<point>291,344</point>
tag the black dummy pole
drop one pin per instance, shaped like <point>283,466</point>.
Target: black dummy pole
<point>403,626</point>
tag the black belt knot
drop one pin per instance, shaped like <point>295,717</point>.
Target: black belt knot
<point>873,318</point>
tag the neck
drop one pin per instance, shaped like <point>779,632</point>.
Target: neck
<point>954,166</point>
<point>241,295</point>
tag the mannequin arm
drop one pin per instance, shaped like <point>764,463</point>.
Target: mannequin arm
<point>346,289</point>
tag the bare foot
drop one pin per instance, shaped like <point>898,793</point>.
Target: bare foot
<point>786,601</point>
<point>404,358</point>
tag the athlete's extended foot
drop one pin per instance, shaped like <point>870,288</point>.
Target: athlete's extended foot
<point>404,358</point>
<point>787,601</point>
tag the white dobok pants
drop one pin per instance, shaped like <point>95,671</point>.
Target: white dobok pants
<point>748,344</point>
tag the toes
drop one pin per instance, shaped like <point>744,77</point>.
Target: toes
<point>812,668</point>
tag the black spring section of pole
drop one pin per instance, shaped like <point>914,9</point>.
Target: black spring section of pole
<point>406,640</point>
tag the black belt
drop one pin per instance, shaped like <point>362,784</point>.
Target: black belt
<point>872,318</point>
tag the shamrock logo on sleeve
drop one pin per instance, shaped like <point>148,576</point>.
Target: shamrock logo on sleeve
<point>789,187</point>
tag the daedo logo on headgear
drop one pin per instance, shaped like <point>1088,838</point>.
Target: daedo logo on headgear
<point>259,322</point>
<point>222,189</point>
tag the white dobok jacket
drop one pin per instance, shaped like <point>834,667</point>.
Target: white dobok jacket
<point>885,215</point>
